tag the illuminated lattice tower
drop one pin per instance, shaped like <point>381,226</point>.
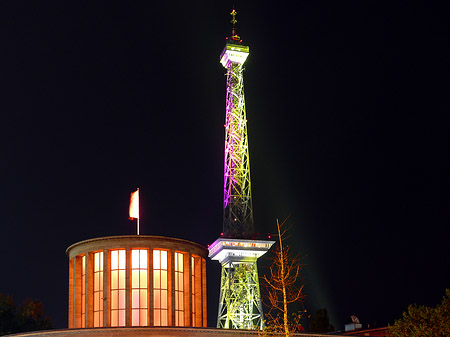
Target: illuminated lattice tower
<point>240,298</point>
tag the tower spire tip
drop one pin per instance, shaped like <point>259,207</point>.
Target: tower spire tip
<point>233,21</point>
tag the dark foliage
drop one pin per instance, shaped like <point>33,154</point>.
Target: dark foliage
<point>423,321</point>
<point>28,317</point>
<point>320,323</point>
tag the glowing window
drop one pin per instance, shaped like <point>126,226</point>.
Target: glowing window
<point>83,291</point>
<point>160,307</point>
<point>139,270</point>
<point>118,264</point>
<point>179,290</point>
<point>193,289</point>
<point>98,289</point>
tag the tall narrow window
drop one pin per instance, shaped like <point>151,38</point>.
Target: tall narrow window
<point>83,291</point>
<point>139,270</point>
<point>179,290</point>
<point>118,264</point>
<point>193,289</point>
<point>160,307</point>
<point>98,289</point>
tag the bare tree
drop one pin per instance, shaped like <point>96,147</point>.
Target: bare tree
<point>283,285</point>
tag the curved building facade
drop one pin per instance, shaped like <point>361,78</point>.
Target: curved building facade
<point>138,280</point>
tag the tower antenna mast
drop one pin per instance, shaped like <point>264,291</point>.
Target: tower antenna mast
<point>240,299</point>
<point>233,21</point>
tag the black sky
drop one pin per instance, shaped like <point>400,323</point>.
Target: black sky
<point>347,104</point>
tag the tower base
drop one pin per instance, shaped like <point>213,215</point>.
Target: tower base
<point>240,298</point>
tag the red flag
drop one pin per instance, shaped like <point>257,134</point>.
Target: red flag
<point>134,205</point>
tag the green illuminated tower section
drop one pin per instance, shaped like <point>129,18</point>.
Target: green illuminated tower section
<point>237,196</point>
<point>240,298</point>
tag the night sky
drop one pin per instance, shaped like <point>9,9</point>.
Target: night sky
<point>347,106</point>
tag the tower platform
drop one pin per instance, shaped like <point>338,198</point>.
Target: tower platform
<point>227,250</point>
<point>240,298</point>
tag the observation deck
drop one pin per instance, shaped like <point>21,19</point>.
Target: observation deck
<point>235,251</point>
<point>234,52</point>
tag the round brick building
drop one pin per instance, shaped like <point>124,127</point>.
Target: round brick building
<point>137,280</point>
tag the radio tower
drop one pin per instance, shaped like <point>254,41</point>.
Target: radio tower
<point>240,298</point>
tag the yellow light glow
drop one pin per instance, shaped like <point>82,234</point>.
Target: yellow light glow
<point>122,259</point>
<point>135,317</point>
<point>143,260</point>
<point>193,290</point>
<point>122,299</point>
<point>157,299</point>
<point>164,279</point>
<point>157,278</point>
<point>98,289</point>
<point>164,259</point>
<point>83,291</point>
<point>135,258</point>
<point>139,282</point>
<point>135,298</point>
<point>156,259</point>
<point>135,278</point>
<point>114,260</point>
<point>143,317</point>
<point>179,290</point>
<point>122,279</point>
<point>160,308</point>
<point>143,278</point>
<point>118,265</point>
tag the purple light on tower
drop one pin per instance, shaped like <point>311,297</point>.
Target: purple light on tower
<point>240,298</point>
<point>237,197</point>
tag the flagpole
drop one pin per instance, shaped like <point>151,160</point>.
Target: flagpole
<point>139,206</point>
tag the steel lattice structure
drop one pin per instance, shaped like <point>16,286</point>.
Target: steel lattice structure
<point>240,299</point>
<point>237,197</point>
